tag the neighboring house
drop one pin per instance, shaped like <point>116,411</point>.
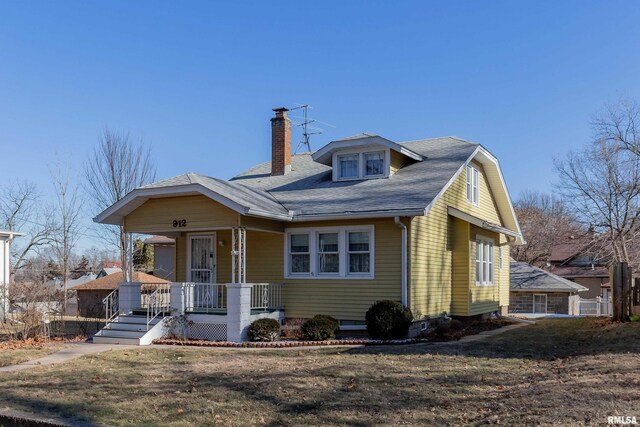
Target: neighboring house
<point>536,291</point>
<point>6,237</point>
<point>109,264</point>
<point>91,294</point>
<point>427,223</point>
<point>164,256</point>
<point>107,271</point>
<point>576,262</point>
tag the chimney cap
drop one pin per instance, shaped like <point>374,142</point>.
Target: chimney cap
<point>280,109</point>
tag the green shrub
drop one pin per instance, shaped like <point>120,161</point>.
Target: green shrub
<point>264,330</point>
<point>320,327</point>
<point>634,318</point>
<point>388,320</point>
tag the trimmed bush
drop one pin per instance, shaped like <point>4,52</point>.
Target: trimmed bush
<point>320,327</point>
<point>264,330</point>
<point>455,325</point>
<point>388,320</point>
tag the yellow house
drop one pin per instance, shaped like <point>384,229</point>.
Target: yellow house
<point>428,223</point>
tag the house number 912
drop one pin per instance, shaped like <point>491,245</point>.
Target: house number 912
<point>179,223</point>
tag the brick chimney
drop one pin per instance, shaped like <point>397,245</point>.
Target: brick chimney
<point>280,142</point>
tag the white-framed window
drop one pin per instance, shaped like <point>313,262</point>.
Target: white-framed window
<point>330,252</point>
<point>299,254</point>
<point>352,165</point>
<point>359,252</point>
<point>473,185</point>
<point>484,261</point>
<point>374,164</point>
<point>348,166</point>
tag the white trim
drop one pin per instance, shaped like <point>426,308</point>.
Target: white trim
<point>214,241</point>
<point>342,253</point>
<point>490,264</point>
<point>404,283</point>
<point>480,222</point>
<point>359,215</point>
<point>360,152</point>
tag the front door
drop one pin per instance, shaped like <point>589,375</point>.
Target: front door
<point>539,303</point>
<point>202,258</point>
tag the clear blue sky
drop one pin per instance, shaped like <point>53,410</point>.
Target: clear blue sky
<point>198,80</point>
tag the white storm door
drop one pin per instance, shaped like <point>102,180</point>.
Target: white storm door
<point>202,258</point>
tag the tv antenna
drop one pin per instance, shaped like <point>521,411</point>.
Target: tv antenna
<point>307,130</point>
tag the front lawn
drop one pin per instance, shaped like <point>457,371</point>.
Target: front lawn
<point>16,352</point>
<point>558,372</point>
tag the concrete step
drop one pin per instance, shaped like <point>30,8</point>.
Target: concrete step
<point>130,318</point>
<point>141,327</point>
<point>120,333</point>
<point>116,340</point>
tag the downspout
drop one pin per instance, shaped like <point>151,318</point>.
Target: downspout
<point>404,259</point>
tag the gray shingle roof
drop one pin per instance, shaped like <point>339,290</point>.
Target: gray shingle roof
<point>247,196</point>
<point>309,190</point>
<point>525,277</point>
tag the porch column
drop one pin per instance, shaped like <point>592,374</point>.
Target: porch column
<point>238,311</point>
<point>238,255</point>
<point>129,297</point>
<point>176,297</point>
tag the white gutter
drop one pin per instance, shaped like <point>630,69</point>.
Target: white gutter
<point>404,259</point>
<point>357,215</point>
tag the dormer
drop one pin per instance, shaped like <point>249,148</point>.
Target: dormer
<point>364,156</point>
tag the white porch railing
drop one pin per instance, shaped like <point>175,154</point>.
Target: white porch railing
<point>204,297</point>
<point>266,296</point>
<point>595,307</point>
<point>111,306</point>
<point>157,302</point>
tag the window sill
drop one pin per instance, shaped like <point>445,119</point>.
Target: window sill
<point>330,277</point>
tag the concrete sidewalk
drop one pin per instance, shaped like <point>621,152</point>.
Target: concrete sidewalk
<point>73,352</point>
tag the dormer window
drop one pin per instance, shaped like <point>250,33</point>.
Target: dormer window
<point>348,165</point>
<point>374,164</point>
<point>362,165</point>
<point>365,156</point>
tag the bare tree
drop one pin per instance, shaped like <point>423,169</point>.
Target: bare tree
<point>69,210</point>
<point>618,125</point>
<point>118,166</point>
<point>545,221</point>
<point>21,210</point>
<point>602,184</point>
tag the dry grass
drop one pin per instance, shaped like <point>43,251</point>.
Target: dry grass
<point>13,353</point>
<point>559,372</point>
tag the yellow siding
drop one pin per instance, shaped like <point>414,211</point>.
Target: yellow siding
<point>443,255</point>
<point>349,299</point>
<point>345,299</point>
<point>483,299</point>
<point>504,273</point>
<point>397,161</point>
<point>200,212</point>
<point>460,274</point>
<point>253,223</point>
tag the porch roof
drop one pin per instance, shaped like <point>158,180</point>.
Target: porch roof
<point>240,198</point>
